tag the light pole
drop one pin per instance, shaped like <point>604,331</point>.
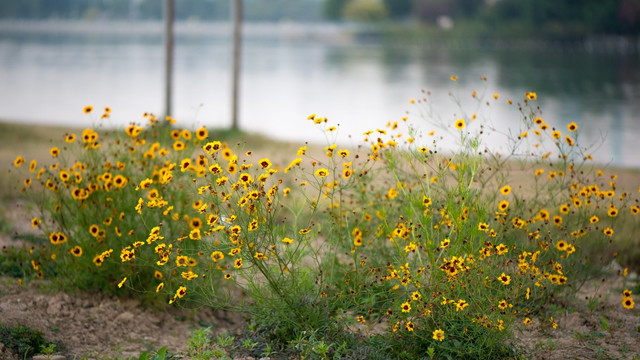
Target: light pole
<point>168,47</point>
<point>237,44</point>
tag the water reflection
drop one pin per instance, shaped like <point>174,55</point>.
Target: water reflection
<point>50,75</point>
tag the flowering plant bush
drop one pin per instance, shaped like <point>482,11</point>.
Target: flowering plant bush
<point>90,204</point>
<point>392,245</point>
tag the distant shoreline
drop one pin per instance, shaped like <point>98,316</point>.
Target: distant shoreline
<point>325,31</point>
<point>332,32</point>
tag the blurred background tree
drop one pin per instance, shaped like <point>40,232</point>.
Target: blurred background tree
<point>365,11</point>
<point>399,9</point>
<point>333,9</point>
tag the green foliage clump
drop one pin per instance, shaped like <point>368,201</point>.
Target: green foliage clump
<point>23,341</point>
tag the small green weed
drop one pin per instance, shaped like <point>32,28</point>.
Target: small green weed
<point>604,323</point>
<point>200,346</point>
<point>161,354</point>
<point>48,350</point>
<point>224,340</point>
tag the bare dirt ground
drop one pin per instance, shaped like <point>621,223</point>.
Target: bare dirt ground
<point>591,325</point>
<point>99,326</point>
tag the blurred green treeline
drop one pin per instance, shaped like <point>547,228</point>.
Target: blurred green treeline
<point>551,18</point>
<point>564,18</point>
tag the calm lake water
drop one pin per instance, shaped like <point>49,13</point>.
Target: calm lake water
<point>50,71</point>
